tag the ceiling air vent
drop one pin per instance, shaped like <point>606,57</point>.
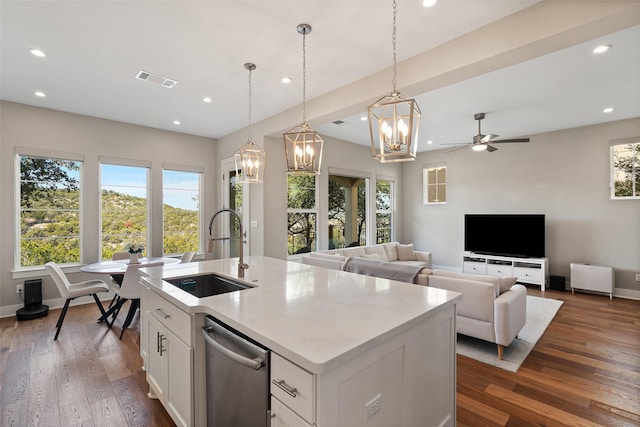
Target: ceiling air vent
<point>154,78</point>
<point>338,122</point>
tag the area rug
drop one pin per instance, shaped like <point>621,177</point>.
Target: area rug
<point>540,313</point>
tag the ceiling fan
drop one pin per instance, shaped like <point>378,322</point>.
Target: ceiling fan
<point>483,142</point>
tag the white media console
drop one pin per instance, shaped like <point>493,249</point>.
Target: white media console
<point>533,271</point>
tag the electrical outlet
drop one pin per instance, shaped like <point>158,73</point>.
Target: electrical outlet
<point>373,406</point>
<point>19,289</point>
<point>637,277</point>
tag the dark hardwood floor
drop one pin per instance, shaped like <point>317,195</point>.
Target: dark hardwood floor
<point>584,371</point>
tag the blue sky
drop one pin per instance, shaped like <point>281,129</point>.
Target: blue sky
<point>179,188</point>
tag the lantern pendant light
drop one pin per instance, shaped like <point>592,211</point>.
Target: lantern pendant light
<point>394,120</point>
<point>250,159</point>
<point>302,144</point>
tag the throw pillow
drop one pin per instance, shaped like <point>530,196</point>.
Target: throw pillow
<point>506,283</point>
<point>390,250</point>
<point>371,256</point>
<point>406,253</point>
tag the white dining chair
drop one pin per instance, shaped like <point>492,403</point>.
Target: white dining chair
<point>130,290</point>
<point>71,291</point>
<point>187,257</point>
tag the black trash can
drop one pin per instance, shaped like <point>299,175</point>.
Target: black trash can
<point>557,283</point>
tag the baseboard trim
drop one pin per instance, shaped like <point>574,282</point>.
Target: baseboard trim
<point>626,293</point>
<point>10,310</point>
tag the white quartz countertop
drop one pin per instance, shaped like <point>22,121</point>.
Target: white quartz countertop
<point>315,317</point>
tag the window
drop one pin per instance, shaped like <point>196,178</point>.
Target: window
<point>124,207</point>
<point>301,213</point>
<point>49,190</point>
<point>384,210</point>
<point>434,181</point>
<point>181,211</point>
<point>347,211</point>
<point>625,169</point>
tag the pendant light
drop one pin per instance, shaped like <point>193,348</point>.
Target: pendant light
<point>394,120</point>
<point>302,144</point>
<point>250,159</point>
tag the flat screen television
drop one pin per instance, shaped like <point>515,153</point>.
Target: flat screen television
<point>512,235</point>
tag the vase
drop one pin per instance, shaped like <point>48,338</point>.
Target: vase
<point>133,259</point>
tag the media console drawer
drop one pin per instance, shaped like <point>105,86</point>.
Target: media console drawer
<point>534,271</point>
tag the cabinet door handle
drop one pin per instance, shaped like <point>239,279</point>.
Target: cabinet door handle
<point>291,391</point>
<point>162,313</point>
<point>161,348</point>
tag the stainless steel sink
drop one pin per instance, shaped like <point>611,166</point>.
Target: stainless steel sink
<point>207,285</point>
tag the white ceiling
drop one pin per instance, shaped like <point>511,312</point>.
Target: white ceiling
<point>95,49</point>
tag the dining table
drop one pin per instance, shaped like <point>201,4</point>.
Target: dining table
<point>119,266</point>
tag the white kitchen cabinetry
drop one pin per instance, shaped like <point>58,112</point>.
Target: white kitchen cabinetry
<point>534,271</point>
<point>169,360</point>
<point>282,416</point>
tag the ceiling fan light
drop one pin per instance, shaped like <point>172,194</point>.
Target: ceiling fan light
<point>479,147</point>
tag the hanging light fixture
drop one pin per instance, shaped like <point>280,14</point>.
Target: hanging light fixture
<point>250,159</point>
<point>394,120</point>
<point>302,144</point>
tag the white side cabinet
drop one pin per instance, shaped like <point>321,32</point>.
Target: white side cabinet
<point>592,278</point>
<point>169,359</point>
<point>534,271</point>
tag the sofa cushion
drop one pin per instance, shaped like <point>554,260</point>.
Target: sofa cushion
<point>372,256</point>
<point>376,249</point>
<point>330,257</point>
<point>355,251</point>
<point>416,263</point>
<point>390,250</point>
<point>405,252</point>
<point>494,280</point>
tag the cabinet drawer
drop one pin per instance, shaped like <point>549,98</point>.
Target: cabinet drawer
<point>281,416</point>
<point>528,275</point>
<point>176,320</point>
<point>287,376</point>
<point>474,267</point>
<point>499,270</point>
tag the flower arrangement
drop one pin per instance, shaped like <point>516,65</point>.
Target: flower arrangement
<point>134,248</point>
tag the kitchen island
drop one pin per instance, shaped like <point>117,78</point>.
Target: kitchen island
<point>367,351</point>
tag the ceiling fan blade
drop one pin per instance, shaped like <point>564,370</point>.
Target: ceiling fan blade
<point>491,149</point>
<point>489,137</point>
<point>511,140</point>
<point>459,148</point>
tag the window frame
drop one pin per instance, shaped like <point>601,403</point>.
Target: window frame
<point>314,210</point>
<point>391,211</point>
<point>426,183</point>
<point>133,164</point>
<point>200,174</point>
<point>44,154</point>
<point>635,172</point>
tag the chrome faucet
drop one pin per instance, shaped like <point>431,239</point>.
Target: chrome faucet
<point>243,234</point>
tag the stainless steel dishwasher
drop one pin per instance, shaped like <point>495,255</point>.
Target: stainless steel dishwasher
<point>237,378</point>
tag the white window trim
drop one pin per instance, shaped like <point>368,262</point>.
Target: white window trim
<point>315,211</point>
<point>425,182</point>
<point>201,225</point>
<point>613,143</point>
<point>392,209</point>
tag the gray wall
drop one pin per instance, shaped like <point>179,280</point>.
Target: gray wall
<point>39,128</point>
<point>564,175</point>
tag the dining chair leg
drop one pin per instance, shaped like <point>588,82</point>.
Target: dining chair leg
<point>135,304</point>
<point>61,318</point>
<point>116,310</point>
<point>99,304</point>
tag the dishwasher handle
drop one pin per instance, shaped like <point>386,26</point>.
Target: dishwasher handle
<point>250,363</point>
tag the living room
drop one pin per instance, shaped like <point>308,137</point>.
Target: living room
<point>564,174</point>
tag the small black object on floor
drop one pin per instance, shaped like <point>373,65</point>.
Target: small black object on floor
<point>33,307</point>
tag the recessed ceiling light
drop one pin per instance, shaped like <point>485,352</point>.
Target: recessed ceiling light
<point>286,80</point>
<point>364,118</point>
<point>206,99</point>
<point>608,110</point>
<point>429,142</point>
<point>602,48</point>
<point>429,3</point>
<point>176,122</point>
<point>38,53</point>
<point>40,94</point>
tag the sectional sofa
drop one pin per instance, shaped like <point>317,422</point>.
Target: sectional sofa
<point>492,308</point>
